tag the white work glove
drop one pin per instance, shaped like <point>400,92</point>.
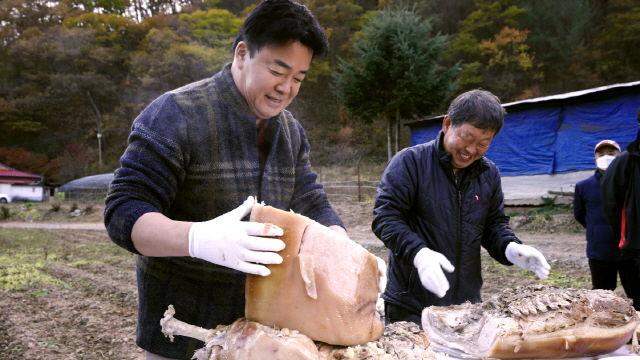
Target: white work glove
<point>227,241</point>
<point>430,264</point>
<point>528,258</point>
<point>382,275</point>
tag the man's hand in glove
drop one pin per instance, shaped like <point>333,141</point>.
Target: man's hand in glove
<point>528,258</point>
<point>229,242</point>
<point>430,264</point>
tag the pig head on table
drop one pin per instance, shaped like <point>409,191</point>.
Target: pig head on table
<point>325,288</point>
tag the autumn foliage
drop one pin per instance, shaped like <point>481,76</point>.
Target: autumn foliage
<point>23,160</point>
<point>70,70</point>
<point>76,160</point>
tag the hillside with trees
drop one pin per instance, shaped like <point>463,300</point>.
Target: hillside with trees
<point>74,74</point>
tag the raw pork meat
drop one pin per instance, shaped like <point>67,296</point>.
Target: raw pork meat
<point>248,340</point>
<point>325,288</point>
<point>533,322</point>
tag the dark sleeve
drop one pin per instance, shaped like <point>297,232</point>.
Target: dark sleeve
<point>613,187</point>
<point>309,198</point>
<point>394,200</point>
<point>497,233</point>
<point>579,211</point>
<point>151,170</point>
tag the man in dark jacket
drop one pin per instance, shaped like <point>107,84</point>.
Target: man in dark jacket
<point>605,258</point>
<point>436,204</point>
<point>620,190</point>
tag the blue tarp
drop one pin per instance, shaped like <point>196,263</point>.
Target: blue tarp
<point>554,137</point>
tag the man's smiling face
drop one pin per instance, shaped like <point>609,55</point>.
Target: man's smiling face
<point>271,78</point>
<point>466,143</point>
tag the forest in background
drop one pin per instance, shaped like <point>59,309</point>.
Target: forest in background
<point>73,69</point>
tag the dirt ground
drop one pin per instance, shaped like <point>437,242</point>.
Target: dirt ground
<point>71,294</point>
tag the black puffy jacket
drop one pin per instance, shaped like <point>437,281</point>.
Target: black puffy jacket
<point>418,204</point>
<point>620,189</point>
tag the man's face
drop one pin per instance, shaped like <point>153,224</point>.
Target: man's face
<point>271,78</point>
<point>466,143</point>
<point>605,150</point>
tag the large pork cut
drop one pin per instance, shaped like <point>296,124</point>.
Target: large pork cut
<point>248,340</point>
<point>326,287</point>
<point>242,340</point>
<point>533,322</point>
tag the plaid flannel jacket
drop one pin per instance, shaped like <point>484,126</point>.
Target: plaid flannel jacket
<point>193,156</point>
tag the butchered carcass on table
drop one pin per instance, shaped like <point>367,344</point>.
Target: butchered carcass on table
<point>533,322</point>
<point>249,340</point>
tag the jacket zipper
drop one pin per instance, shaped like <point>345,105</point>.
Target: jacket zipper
<point>459,244</point>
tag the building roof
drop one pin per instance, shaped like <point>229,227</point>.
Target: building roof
<point>88,182</point>
<point>13,176</point>
<point>574,94</point>
<point>569,95</point>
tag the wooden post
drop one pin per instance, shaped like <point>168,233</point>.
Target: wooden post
<point>359,198</point>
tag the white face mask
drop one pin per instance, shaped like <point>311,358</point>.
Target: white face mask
<point>603,162</point>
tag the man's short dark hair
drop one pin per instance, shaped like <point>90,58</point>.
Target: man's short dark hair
<point>279,22</point>
<point>479,108</point>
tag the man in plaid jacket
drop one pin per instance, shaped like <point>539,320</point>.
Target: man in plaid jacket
<point>195,155</point>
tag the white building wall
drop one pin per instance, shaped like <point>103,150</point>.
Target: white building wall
<point>26,193</point>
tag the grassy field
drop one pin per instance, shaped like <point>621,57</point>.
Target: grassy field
<point>25,253</point>
<point>66,294</point>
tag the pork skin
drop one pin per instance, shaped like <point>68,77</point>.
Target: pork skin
<point>326,286</point>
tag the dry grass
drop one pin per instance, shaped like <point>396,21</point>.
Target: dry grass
<point>368,172</point>
<point>351,183</point>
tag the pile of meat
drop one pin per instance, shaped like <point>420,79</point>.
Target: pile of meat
<point>533,322</point>
<point>319,303</point>
<point>249,340</point>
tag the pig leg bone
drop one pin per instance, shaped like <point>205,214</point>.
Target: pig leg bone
<point>172,326</point>
<point>635,348</point>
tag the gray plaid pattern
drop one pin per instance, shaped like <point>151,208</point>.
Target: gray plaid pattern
<point>193,156</point>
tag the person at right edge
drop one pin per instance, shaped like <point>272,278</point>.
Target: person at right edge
<point>605,258</point>
<point>436,204</point>
<point>620,192</point>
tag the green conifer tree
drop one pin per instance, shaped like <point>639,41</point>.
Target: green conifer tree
<point>395,72</point>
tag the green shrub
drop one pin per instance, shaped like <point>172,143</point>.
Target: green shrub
<point>55,206</point>
<point>551,209</point>
<point>5,213</point>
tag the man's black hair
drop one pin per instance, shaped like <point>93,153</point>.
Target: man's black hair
<point>279,22</point>
<point>479,108</point>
